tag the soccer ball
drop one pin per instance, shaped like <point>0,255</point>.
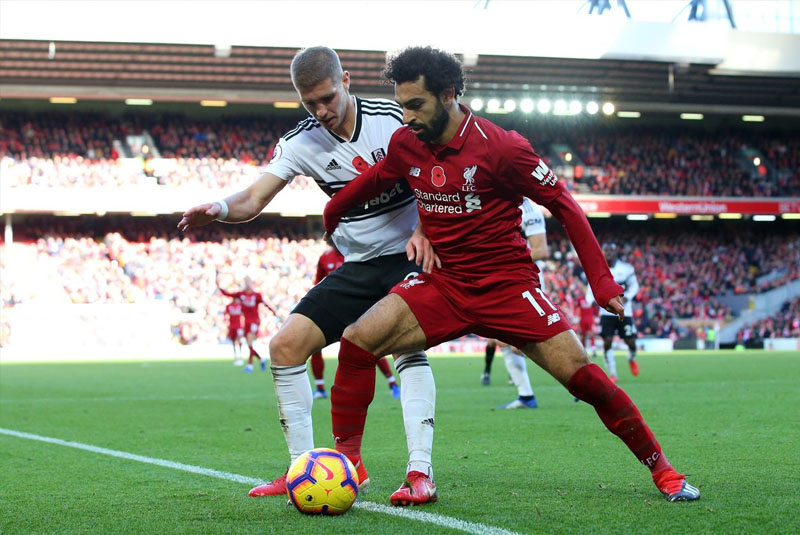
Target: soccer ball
<point>322,482</point>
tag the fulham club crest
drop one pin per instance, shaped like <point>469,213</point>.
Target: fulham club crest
<point>378,155</point>
<point>438,178</point>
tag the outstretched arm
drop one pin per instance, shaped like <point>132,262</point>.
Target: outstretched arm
<point>606,292</point>
<point>526,173</point>
<point>226,294</point>
<point>360,190</point>
<point>239,207</point>
<point>274,313</point>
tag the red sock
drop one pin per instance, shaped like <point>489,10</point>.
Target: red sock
<point>253,353</point>
<point>352,392</point>
<point>618,413</point>
<point>386,370</point>
<point>317,365</point>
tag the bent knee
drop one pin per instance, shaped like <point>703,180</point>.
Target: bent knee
<point>574,359</point>
<point>287,349</point>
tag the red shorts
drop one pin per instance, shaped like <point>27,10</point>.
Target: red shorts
<point>586,327</point>
<point>511,308</point>
<point>235,332</point>
<point>251,326</point>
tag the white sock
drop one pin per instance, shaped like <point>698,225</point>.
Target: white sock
<point>418,398</point>
<point>293,390</point>
<point>319,382</point>
<point>518,370</point>
<point>611,363</point>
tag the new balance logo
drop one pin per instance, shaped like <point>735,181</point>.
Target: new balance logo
<point>332,166</point>
<point>428,421</point>
<point>414,171</point>
<point>552,318</point>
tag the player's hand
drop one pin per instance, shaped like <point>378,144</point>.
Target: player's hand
<point>615,306</point>
<point>420,251</point>
<point>200,215</point>
<point>329,222</point>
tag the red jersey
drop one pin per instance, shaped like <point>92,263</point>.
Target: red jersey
<point>468,196</point>
<point>330,261</point>
<point>250,301</point>
<point>586,310</point>
<point>234,312</point>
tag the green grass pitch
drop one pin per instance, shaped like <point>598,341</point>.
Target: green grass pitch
<point>731,420</point>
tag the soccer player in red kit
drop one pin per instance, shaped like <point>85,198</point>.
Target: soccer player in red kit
<point>469,177</point>
<point>235,330</point>
<point>587,313</point>
<point>250,300</point>
<point>328,262</point>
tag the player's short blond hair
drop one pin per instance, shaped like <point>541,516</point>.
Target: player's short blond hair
<point>314,65</point>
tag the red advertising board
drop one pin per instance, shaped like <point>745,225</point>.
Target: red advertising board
<point>686,205</point>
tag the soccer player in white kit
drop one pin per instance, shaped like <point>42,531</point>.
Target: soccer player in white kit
<point>344,136</point>
<point>535,232</point>
<point>610,324</point>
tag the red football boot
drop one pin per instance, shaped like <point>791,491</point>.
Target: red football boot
<point>361,475</point>
<point>417,489</point>
<point>674,486</point>
<point>273,488</point>
<point>634,367</point>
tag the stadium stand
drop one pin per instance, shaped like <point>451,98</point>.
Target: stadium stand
<point>784,324</point>
<point>78,150</point>
<point>685,273</point>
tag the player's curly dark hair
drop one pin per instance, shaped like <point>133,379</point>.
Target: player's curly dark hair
<point>441,69</point>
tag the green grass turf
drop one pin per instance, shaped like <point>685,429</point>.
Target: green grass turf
<point>732,420</point>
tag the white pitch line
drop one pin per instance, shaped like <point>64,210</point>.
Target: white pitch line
<point>122,399</point>
<point>440,520</point>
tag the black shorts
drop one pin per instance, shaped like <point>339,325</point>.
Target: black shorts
<point>344,295</point>
<point>610,325</point>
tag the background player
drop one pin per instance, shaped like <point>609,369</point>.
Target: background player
<point>610,324</point>
<point>379,244</point>
<point>233,311</point>
<point>586,312</point>
<point>535,232</point>
<point>250,300</point>
<point>485,265</point>
<point>328,262</point>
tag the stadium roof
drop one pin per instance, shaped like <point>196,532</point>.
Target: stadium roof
<point>174,72</point>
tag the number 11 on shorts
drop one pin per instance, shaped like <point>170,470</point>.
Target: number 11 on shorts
<point>529,296</point>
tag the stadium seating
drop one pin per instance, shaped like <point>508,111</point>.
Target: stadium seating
<point>133,260</point>
<point>77,150</point>
<point>784,324</point>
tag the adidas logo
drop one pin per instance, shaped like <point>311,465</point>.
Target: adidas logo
<point>332,166</point>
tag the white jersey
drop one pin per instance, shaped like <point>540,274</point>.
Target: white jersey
<point>532,218</point>
<point>625,276</point>
<point>533,224</point>
<point>379,227</point>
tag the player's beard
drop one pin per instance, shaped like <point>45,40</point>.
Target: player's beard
<point>437,126</point>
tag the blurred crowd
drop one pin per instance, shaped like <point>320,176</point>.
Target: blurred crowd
<point>784,324</point>
<point>78,150</point>
<point>688,164</point>
<point>683,272</point>
<point>137,264</point>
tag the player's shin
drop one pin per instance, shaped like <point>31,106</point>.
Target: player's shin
<point>611,363</point>
<point>418,398</point>
<point>293,391</point>
<point>518,370</point>
<point>619,414</point>
<point>352,392</point>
